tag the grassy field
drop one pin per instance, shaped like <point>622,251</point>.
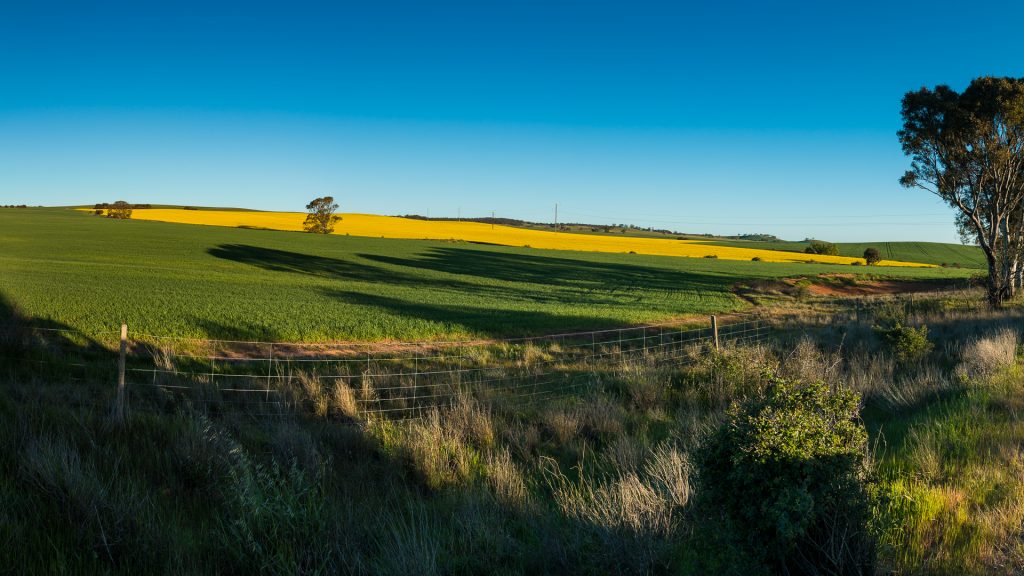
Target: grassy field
<point>935,253</point>
<point>72,269</point>
<point>370,225</point>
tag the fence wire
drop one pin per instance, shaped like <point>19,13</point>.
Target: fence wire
<point>265,379</point>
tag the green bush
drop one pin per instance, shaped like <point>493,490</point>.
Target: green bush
<point>824,248</point>
<point>786,476</point>
<point>909,344</point>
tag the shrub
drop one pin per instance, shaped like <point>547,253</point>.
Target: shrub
<point>788,474</point>
<point>715,256</point>
<point>755,259</point>
<point>872,256</point>
<point>824,248</point>
<point>909,344</point>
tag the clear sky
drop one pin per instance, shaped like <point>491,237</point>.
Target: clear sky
<point>724,117</point>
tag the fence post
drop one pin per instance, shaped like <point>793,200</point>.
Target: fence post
<point>714,330</point>
<point>119,405</point>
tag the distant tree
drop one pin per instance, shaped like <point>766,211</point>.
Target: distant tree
<point>825,248</point>
<point>968,149</point>
<point>321,218</point>
<point>872,256</point>
<point>120,210</point>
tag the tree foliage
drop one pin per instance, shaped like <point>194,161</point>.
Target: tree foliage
<point>321,218</point>
<point>824,248</point>
<point>120,210</point>
<point>968,149</point>
<point>872,256</point>
<point>788,473</point>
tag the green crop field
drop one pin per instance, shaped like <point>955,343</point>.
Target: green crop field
<point>925,252</point>
<point>68,269</point>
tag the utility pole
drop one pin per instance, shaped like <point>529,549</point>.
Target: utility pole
<point>460,213</point>
<point>492,219</point>
<point>556,215</point>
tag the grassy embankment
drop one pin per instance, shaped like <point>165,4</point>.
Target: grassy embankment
<point>76,270</point>
<point>596,482</point>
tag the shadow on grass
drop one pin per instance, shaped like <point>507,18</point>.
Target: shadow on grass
<point>539,285</point>
<point>488,322</point>
<point>575,274</point>
<point>558,271</point>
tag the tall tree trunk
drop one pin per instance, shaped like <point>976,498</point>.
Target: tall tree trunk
<point>1011,279</point>
<point>994,282</point>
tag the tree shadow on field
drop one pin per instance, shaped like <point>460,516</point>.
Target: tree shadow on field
<point>559,271</point>
<point>41,350</point>
<point>240,329</point>
<point>483,321</point>
<point>337,269</point>
<point>578,275</point>
<point>461,277</point>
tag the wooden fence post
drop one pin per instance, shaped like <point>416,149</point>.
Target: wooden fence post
<point>119,406</point>
<point>714,330</point>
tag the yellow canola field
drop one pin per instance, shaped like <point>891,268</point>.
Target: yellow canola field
<point>394,227</point>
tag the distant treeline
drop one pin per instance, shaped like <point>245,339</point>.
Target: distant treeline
<point>108,205</point>
<point>15,206</point>
<point>608,228</point>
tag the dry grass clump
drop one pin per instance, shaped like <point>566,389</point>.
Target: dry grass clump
<point>343,400</point>
<point>599,417</point>
<point>505,479</point>
<point>669,472</point>
<point>472,420</point>
<point>563,424</point>
<point>438,452</point>
<point>522,438</point>
<point>808,362</point>
<point>713,379</point>
<point>632,516</point>
<point>879,379</point>
<point>306,393</point>
<point>986,355</point>
<point>644,383</point>
<point>445,447</point>
<point>626,452</point>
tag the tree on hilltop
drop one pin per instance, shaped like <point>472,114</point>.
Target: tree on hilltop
<point>120,210</point>
<point>821,247</point>
<point>321,218</point>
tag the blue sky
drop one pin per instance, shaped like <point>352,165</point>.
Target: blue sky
<point>725,117</point>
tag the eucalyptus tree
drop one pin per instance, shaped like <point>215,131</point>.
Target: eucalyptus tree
<point>321,218</point>
<point>968,149</point>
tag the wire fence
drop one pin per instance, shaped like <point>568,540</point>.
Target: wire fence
<point>396,380</point>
